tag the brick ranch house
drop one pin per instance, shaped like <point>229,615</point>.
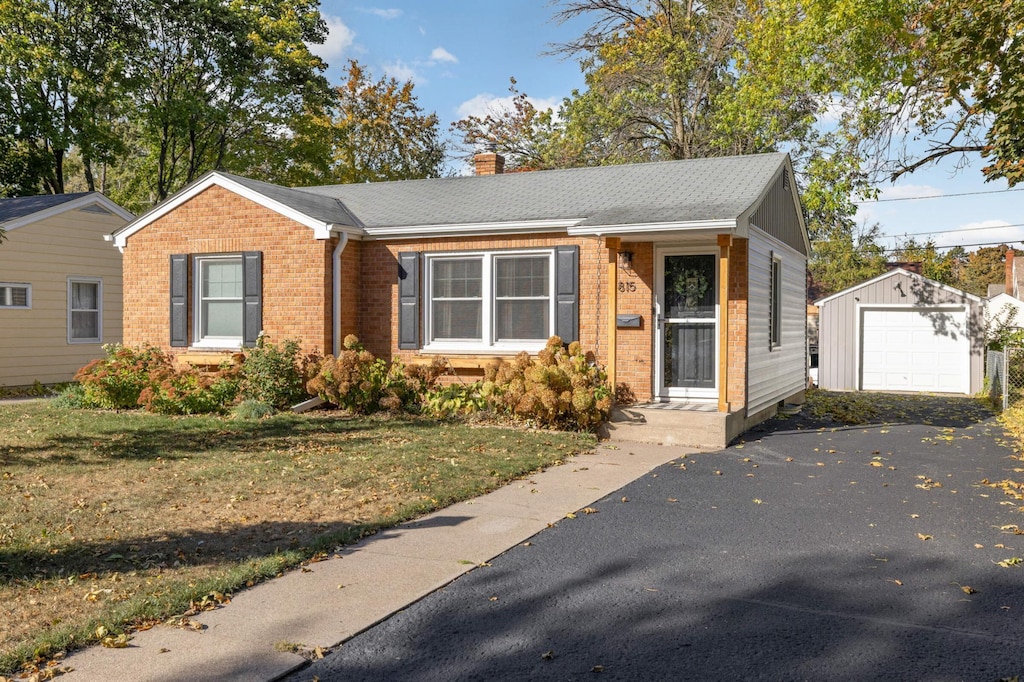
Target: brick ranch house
<point>685,278</point>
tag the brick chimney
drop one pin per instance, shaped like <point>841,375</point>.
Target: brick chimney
<point>489,162</point>
<point>1009,273</point>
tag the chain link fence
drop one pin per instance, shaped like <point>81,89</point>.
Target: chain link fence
<point>1005,373</point>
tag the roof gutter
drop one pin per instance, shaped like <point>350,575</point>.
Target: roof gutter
<point>635,229</point>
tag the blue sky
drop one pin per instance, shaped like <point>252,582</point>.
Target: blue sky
<point>461,53</point>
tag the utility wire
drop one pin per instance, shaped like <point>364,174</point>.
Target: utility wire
<point>940,196</point>
<point>962,229</point>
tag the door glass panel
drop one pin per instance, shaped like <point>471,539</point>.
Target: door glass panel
<point>689,327</point>
<point>689,286</point>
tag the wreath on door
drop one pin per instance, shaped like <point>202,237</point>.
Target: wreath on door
<point>691,288</point>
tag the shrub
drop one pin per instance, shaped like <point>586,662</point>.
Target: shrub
<point>562,387</point>
<point>71,397</point>
<point>453,400</point>
<point>190,391</point>
<point>358,381</point>
<point>253,409</point>
<point>273,374</point>
<point>116,381</point>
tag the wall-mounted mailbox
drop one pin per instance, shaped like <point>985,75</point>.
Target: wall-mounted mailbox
<point>628,321</point>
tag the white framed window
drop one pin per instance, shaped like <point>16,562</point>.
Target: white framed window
<point>15,295</point>
<point>496,300</point>
<point>85,310</point>
<point>775,303</point>
<point>219,302</point>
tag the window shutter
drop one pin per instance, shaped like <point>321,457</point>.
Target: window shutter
<point>252,296</point>
<point>179,300</point>
<point>567,293</point>
<point>408,300</point>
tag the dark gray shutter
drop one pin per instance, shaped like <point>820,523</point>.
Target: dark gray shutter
<point>408,300</point>
<point>567,293</point>
<point>179,300</point>
<point>252,296</point>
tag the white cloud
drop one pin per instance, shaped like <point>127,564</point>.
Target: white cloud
<point>402,72</point>
<point>983,231</point>
<point>339,39</point>
<point>486,103</point>
<point>440,54</point>
<point>909,192</point>
<point>385,13</point>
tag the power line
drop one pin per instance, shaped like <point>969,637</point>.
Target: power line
<point>962,229</point>
<point>940,196</point>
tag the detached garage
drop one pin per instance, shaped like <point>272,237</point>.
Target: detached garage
<point>901,332</point>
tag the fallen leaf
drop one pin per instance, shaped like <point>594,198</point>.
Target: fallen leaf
<point>977,546</point>
<point>672,499</point>
<point>718,473</point>
<point>493,599</point>
<point>789,459</point>
<point>967,589</point>
<point>597,669</point>
<point>924,537</point>
<point>625,499</point>
<point>897,582</point>
<point>1012,561</point>
<point>548,655</point>
<point>876,463</point>
<point>570,515</point>
<point>589,510</point>
<point>757,501</point>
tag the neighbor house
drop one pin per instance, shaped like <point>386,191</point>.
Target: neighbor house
<point>901,331</point>
<point>60,285</point>
<point>684,278</point>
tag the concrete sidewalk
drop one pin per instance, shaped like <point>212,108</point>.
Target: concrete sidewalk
<point>328,602</point>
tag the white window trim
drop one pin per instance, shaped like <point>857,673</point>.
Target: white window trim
<point>218,342</point>
<point>28,295</point>
<point>774,303</point>
<point>487,344</point>
<point>72,280</point>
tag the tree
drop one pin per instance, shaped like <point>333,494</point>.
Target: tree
<point>844,256</point>
<point>985,266</point>
<point>377,131</point>
<point>942,267</point>
<point>914,81</point>
<point>528,138</point>
<point>61,71</point>
<point>224,83</point>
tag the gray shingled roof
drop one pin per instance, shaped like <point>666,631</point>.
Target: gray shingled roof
<point>325,208</point>
<point>670,191</point>
<point>12,209</point>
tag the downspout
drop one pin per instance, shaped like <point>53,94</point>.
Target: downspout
<point>336,292</point>
<point>612,243</point>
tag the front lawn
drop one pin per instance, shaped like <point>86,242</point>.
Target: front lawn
<point>128,518</point>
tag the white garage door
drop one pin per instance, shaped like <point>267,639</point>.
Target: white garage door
<point>921,349</point>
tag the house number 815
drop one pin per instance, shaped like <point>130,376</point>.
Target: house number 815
<point>627,286</point>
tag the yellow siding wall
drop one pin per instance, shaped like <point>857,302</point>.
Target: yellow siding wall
<point>34,343</point>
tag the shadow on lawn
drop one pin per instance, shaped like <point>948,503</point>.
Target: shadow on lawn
<point>230,544</point>
<point>180,439</point>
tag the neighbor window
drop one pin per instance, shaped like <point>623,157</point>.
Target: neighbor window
<point>85,296</point>
<point>775,305</point>
<point>15,295</point>
<point>219,301</point>
<point>490,299</point>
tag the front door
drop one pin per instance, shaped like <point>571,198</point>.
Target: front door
<point>688,317</point>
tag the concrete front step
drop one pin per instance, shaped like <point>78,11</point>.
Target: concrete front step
<point>695,425</point>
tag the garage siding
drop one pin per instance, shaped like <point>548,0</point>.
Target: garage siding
<point>775,374</point>
<point>839,328</point>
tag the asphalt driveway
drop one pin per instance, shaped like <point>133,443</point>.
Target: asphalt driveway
<point>811,551</point>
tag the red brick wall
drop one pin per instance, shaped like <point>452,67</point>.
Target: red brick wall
<point>634,347</point>
<point>378,328</point>
<point>296,268</point>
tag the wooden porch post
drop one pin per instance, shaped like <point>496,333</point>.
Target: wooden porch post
<point>612,243</point>
<point>724,242</point>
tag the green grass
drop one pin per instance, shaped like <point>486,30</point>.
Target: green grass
<point>124,519</point>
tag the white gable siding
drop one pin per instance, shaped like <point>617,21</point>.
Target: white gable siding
<point>774,374</point>
<point>44,254</point>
